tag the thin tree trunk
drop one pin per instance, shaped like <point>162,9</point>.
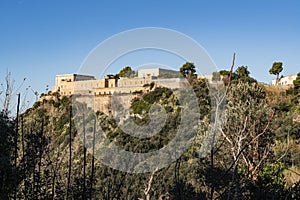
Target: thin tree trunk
<point>40,160</point>
<point>148,188</point>
<point>212,188</point>
<point>23,145</point>
<point>23,149</point>
<point>238,188</point>
<point>93,160</point>
<point>53,184</point>
<point>84,160</point>
<point>54,176</point>
<point>70,154</point>
<point>16,148</point>
<point>177,179</point>
<point>29,165</point>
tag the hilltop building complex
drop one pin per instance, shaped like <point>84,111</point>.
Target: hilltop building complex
<point>103,89</point>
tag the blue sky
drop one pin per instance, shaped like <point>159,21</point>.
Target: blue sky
<point>39,39</point>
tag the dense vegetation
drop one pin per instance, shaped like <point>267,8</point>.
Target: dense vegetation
<point>256,156</point>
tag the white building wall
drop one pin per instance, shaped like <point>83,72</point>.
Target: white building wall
<point>286,80</point>
<point>148,72</point>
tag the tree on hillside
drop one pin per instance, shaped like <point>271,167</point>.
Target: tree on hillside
<point>188,69</point>
<point>243,74</point>
<point>242,71</point>
<point>224,72</point>
<point>276,69</point>
<point>126,72</point>
<point>247,136</point>
<point>296,83</point>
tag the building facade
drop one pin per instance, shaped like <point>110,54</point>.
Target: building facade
<point>102,90</point>
<point>158,72</point>
<point>64,84</point>
<point>285,81</point>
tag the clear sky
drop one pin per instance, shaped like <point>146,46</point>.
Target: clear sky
<point>39,39</point>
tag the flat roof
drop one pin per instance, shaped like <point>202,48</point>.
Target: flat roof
<point>75,75</point>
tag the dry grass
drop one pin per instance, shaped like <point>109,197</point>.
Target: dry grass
<point>276,94</point>
<point>292,175</point>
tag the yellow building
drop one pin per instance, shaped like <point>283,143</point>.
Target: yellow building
<point>102,90</point>
<point>65,84</point>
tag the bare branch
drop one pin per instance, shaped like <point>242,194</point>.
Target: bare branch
<point>231,69</point>
<point>147,189</point>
